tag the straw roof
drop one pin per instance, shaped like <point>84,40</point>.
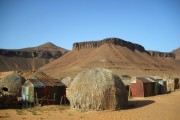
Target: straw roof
<point>97,89</point>
<point>13,83</point>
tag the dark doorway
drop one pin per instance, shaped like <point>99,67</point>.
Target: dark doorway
<point>5,89</point>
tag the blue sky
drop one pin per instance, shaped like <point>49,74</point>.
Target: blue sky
<point>155,24</point>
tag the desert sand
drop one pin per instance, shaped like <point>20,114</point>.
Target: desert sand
<point>160,107</point>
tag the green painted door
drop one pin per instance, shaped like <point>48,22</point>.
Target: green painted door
<point>27,93</point>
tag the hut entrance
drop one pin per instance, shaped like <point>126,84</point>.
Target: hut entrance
<point>5,89</point>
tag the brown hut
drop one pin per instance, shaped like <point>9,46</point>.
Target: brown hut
<point>12,83</point>
<point>142,87</point>
<point>162,84</point>
<point>97,89</point>
<point>44,89</point>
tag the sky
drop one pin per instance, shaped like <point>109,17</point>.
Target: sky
<point>154,24</point>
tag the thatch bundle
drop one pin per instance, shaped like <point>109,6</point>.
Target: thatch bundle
<point>97,89</point>
<point>12,83</point>
<point>67,81</point>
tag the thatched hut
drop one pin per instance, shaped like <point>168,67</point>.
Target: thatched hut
<point>97,89</point>
<point>12,83</point>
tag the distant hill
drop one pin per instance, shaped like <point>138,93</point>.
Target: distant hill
<point>177,53</point>
<point>46,47</point>
<point>120,56</point>
<point>29,58</point>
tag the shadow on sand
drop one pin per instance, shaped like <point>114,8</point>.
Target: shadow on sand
<point>4,117</point>
<point>139,103</point>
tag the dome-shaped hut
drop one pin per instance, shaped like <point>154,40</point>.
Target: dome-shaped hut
<point>12,83</point>
<point>97,89</point>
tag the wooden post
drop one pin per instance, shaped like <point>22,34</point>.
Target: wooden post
<point>36,94</point>
<point>54,97</point>
<point>61,100</point>
<point>65,99</point>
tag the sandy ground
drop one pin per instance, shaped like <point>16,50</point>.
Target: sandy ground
<point>161,107</point>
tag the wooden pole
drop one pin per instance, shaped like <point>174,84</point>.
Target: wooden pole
<point>61,100</point>
<point>54,97</point>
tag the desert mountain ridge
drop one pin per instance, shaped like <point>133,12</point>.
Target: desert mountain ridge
<point>177,53</point>
<point>29,58</point>
<point>120,56</point>
<point>120,42</point>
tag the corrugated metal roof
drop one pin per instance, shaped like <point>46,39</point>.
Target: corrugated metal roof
<point>134,81</point>
<point>26,83</point>
<point>43,83</point>
<point>150,79</point>
<point>58,83</point>
<point>36,83</point>
<point>156,77</point>
<point>142,79</point>
<point>126,82</point>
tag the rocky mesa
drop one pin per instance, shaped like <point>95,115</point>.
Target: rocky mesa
<point>161,54</point>
<point>177,53</point>
<point>120,42</point>
<point>120,56</point>
<point>108,41</point>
